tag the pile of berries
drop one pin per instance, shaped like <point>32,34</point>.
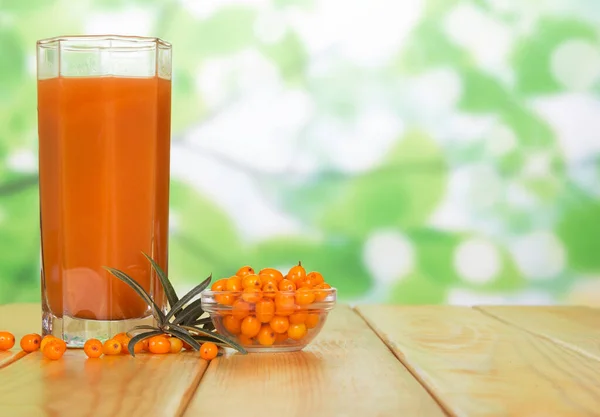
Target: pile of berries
<point>269,308</point>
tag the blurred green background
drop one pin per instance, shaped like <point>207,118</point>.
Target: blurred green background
<point>413,151</point>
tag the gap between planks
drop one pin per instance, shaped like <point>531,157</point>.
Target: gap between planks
<point>444,407</point>
<point>537,333</point>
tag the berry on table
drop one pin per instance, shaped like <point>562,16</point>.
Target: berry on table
<point>93,348</point>
<point>176,345</point>
<point>159,344</point>
<point>54,350</point>
<point>31,342</point>
<point>208,351</point>
<point>7,340</point>
<point>112,347</point>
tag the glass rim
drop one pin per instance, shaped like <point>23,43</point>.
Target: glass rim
<point>131,42</point>
<point>328,291</point>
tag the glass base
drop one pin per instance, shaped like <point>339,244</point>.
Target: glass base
<point>75,332</point>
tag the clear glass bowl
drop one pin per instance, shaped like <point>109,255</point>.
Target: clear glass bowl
<point>287,321</point>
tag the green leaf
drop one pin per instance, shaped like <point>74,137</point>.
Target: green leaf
<point>403,192</point>
<point>190,313</point>
<point>216,336</point>
<point>138,338</point>
<point>188,297</point>
<point>166,284</point>
<point>141,292</point>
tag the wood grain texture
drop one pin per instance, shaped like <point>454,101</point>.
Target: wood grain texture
<point>19,319</point>
<point>577,328</point>
<point>147,385</point>
<point>478,366</point>
<point>347,371</point>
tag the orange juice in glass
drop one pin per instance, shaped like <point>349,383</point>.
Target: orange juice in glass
<point>104,111</point>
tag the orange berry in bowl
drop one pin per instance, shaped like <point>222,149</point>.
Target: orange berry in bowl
<point>251,281</point>
<point>280,324</point>
<point>176,345</point>
<point>240,309</point>
<point>233,284</point>
<point>112,347</point>
<point>250,326</point>
<point>312,320</point>
<point>269,289</point>
<point>54,350</point>
<point>208,351</point>
<point>298,317</point>
<point>244,270</point>
<point>7,340</point>
<point>232,324</point>
<point>280,338</point>
<point>159,344</point>
<point>321,295</point>
<point>305,296</point>
<point>284,304</point>
<point>245,340</point>
<point>271,273</point>
<point>297,272</point>
<point>252,295</point>
<point>287,285</point>
<point>265,310</point>
<point>93,348</point>
<point>297,331</point>
<point>266,335</point>
<point>314,278</point>
<point>225,299</point>
<point>31,342</point>
<point>219,285</point>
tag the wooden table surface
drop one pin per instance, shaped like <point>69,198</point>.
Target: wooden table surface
<point>368,361</point>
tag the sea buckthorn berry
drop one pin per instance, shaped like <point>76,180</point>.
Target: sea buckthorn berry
<point>269,289</point>
<point>321,295</point>
<point>312,320</point>
<point>305,296</point>
<point>244,270</point>
<point>123,339</point>
<point>297,331</point>
<point>287,285</point>
<point>112,347</point>
<point>176,345</point>
<point>146,345</point>
<point>45,341</point>
<point>297,273</point>
<point>53,350</point>
<point>250,326</point>
<point>232,324</point>
<point>314,278</point>
<point>279,324</point>
<point>208,351</point>
<point>93,348</point>
<point>298,317</point>
<point>284,304</point>
<point>280,338</point>
<point>186,346</point>
<point>219,285</point>
<point>159,344</point>
<point>7,340</point>
<point>271,273</point>
<point>245,340</point>
<point>265,310</point>
<point>139,347</point>
<point>266,335</point>
<point>252,295</point>
<point>251,281</point>
<point>31,342</point>
<point>225,299</point>
<point>240,309</point>
<point>234,284</point>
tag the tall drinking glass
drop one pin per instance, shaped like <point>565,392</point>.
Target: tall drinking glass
<point>104,112</point>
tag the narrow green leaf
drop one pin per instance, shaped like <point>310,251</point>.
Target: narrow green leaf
<point>184,335</point>
<point>208,326</point>
<point>190,313</point>
<point>205,320</point>
<point>209,339</point>
<point>218,337</point>
<point>140,337</point>
<point>140,290</point>
<point>166,284</point>
<point>188,297</point>
<point>141,327</point>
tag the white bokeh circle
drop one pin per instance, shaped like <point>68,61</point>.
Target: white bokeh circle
<point>477,261</point>
<point>539,255</point>
<point>575,64</point>
<point>388,255</point>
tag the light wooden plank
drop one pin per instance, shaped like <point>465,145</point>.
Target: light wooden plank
<point>347,371</point>
<point>19,319</point>
<point>577,328</point>
<point>147,385</point>
<point>478,366</point>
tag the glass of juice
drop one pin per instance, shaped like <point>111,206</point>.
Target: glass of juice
<point>104,114</point>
